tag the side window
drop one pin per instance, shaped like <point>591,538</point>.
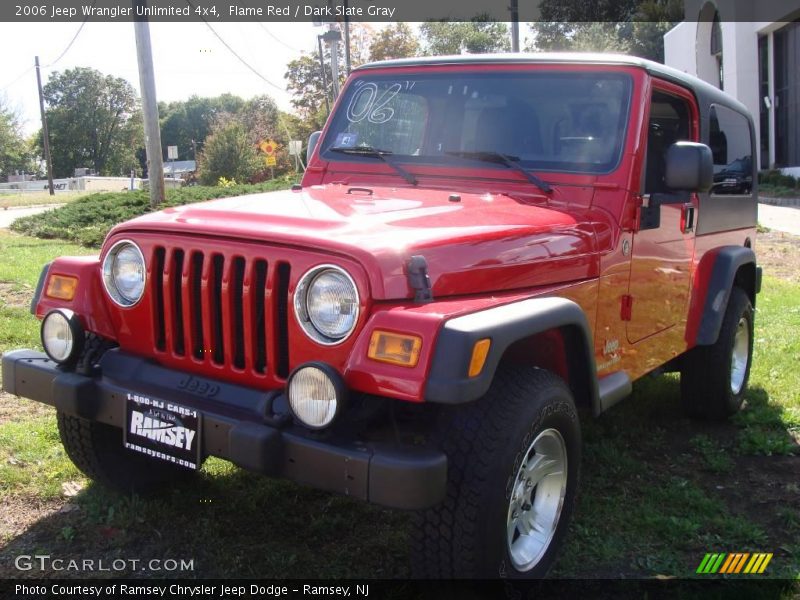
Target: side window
<point>669,123</point>
<point>729,139</point>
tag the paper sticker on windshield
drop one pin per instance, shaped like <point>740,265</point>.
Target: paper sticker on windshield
<point>346,140</point>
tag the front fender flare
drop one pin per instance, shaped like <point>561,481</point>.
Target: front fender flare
<point>448,382</point>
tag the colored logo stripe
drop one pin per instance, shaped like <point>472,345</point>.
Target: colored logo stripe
<point>734,562</point>
<point>758,563</point>
<point>710,563</point>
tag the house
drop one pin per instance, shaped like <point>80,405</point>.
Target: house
<point>752,51</point>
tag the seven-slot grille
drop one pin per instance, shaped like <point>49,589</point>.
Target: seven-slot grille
<point>210,306</point>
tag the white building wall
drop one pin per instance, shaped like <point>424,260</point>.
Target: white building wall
<point>740,68</point>
<point>687,48</point>
<point>679,44</point>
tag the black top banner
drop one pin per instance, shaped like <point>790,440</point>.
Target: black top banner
<point>324,11</point>
<point>264,10</point>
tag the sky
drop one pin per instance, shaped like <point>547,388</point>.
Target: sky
<point>188,58</point>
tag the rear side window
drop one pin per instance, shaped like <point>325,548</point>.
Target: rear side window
<point>729,139</point>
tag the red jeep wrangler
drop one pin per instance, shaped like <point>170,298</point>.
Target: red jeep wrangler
<point>480,245</point>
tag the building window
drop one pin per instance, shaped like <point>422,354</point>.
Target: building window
<point>716,46</point>
<point>763,99</point>
<point>787,95</point>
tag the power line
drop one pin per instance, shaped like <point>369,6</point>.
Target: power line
<point>60,56</point>
<point>232,51</point>
<point>16,79</point>
<point>72,41</point>
<point>276,38</point>
<point>255,71</point>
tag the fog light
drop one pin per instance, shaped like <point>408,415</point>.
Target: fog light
<point>62,335</point>
<point>316,395</point>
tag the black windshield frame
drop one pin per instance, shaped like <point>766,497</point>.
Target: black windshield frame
<point>341,124</point>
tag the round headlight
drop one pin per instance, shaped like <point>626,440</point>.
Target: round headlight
<point>316,394</point>
<point>62,335</point>
<point>124,273</point>
<point>326,304</point>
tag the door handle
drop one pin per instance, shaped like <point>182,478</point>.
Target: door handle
<point>687,218</point>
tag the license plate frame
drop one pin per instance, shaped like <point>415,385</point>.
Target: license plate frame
<point>163,430</point>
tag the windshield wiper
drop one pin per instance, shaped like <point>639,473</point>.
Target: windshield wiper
<point>512,162</point>
<point>375,153</point>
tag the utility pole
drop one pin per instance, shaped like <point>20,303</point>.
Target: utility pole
<point>324,76</point>
<point>346,40</point>
<point>514,25</point>
<point>152,131</point>
<point>333,37</point>
<point>45,135</point>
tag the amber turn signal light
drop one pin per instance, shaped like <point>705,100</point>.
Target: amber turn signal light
<point>395,348</point>
<point>479,353</point>
<point>61,287</point>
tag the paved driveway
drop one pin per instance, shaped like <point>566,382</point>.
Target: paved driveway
<point>780,218</point>
<point>10,215</point>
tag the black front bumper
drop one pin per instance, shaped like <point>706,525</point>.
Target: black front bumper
<point>237,426</point>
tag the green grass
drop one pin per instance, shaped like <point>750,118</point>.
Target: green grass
<point>24,257</point>
<point>770,421</point>
<point>88,219</point>
<point>714,455</point>
<point>33,463</point>
<point>9,200</point>
<point>658,490</point>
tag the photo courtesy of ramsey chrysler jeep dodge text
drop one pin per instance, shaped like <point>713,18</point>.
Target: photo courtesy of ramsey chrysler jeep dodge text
<point>480,247</point>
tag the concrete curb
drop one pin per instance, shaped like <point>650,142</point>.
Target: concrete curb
<point>791,202</point>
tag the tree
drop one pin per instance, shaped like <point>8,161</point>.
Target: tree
<point>395,41</point>
<point>304,81</point>
<point>260,117</point>
<point>15,152</point>
<point>94,121</point>
<point>187,123</point>
<point>228,152</point>
<point>478,36</point>
<point>361,37</point>
<point>631,26</point>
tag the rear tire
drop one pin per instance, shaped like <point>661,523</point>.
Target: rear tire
<point>524,429</point>
<point>714,378</point>
<point>97,450</point>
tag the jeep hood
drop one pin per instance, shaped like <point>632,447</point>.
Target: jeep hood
<point>479,243</point>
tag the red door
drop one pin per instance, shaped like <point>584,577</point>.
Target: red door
<point>663,247</point>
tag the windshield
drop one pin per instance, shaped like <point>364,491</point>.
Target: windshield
<point>546,120</point>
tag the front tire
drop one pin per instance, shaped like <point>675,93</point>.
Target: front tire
<point>714,378</point>
<point>97,450</point>
<point>513,467</point>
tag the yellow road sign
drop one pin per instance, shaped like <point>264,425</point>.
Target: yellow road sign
<point>271,162</point>
<point>268,147</point>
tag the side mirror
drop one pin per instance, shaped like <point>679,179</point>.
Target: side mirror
<point>689,167</point>
<point>312,144</point>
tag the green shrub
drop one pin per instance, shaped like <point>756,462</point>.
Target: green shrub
<point>88,219</point>
<point>777,179</point>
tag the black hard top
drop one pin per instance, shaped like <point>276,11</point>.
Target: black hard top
<point>700,87</point>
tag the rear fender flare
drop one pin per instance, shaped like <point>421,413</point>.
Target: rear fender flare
<point>732,265</point>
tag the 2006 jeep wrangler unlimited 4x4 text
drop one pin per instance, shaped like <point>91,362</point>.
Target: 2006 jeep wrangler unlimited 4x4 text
<point>479,246</point>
